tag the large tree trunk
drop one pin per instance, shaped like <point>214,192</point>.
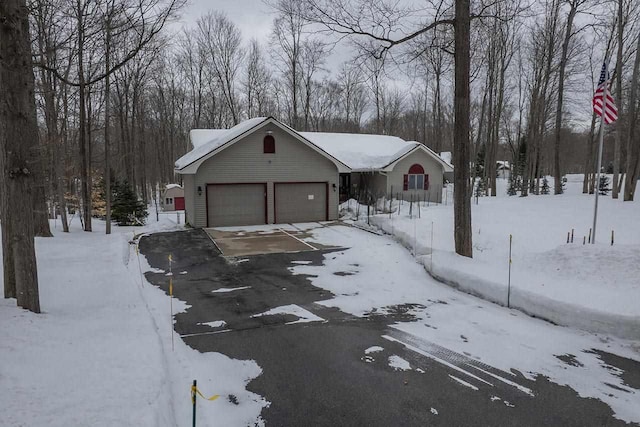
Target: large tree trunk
<point>85,191</point>
<point>462,195</point>
<point>19,143</point>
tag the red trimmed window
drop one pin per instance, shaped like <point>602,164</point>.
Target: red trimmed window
<point>416,179</point>
<point>269,143</point>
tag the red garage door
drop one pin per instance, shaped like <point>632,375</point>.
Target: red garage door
<point>179,203</point>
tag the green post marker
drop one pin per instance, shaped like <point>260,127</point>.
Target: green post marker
<point>193,399</point>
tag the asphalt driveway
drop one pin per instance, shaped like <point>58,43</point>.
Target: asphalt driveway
<point>316,371</point>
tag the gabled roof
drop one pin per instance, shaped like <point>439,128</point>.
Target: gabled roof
<point>214,140</point>
<point>208,143</point>
<point>170,186</point>
<point>350,152</point>
<point>446,166</point>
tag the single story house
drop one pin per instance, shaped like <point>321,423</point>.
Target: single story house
<point>173,198</point>
<point>262,171</point>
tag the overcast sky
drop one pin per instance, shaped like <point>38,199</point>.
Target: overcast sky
<point>253,17</point>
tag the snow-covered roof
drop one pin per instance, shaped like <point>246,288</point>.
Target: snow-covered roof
<point>170,186</point>
<point>208,140</point>
<point>446,156</point>
<point>200,137</point>
<point>350,151</point>
<point>361,152</point>
<point>504,164</point>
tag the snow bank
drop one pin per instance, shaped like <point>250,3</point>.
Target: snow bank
<point>100,353</point>
<point>591,287</point>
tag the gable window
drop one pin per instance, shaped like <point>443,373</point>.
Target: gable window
<point>269,144</point>
<point>416,179</point>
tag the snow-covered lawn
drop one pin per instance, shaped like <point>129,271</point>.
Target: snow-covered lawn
<point>100,354</point>
<point>594,287</point>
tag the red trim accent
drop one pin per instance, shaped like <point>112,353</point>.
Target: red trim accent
<point>416,169</point>
<point>269,144</point>
<point>426,181</point>
<point>275,184</point>
<point>405,183</point>
<point>266,209</point>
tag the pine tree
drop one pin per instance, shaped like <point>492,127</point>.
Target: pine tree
<point>481,187</point>
<point>545,186</point>
<point>513,186</point>
<point>127,208</point>
<point>604,185</point>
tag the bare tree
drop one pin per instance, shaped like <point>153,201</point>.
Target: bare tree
<point>18,155</point>
<point>377,24</point>
<point>574,6</point>
<point>288,36</point>
<point>633,138</point>
<point>256,82</point>
<point>220,39</point>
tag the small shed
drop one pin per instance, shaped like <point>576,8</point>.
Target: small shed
<point>173,198</point>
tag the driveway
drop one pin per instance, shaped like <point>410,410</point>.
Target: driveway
<point>351,358</point>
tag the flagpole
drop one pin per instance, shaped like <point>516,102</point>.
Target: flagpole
<point>602,123</point>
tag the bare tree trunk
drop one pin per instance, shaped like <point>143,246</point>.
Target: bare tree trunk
<point>633,142</point>
<point>462,196</point>
<point>589,165</point>
<point>107,124</point>
<point>564,58</point>
<point>615,185</point>
<point>19,142</point>
<point>85,192</point>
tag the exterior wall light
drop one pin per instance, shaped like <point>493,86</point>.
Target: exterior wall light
<point>199,191</point>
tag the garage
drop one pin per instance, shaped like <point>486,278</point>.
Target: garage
<point>236,204</point>
<point>300,202</point>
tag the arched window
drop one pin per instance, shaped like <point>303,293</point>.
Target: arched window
<point>269,144</point>
<point>416,179</point>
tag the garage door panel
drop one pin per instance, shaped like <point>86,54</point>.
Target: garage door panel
<point>300,202</point>
<point>236,204</point>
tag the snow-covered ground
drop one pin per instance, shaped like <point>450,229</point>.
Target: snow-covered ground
<point>103,352</point>
<point>380,274</point>
<point>593,287</point>
<point>100,353</point>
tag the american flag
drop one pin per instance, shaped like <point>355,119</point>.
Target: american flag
<point>611,111</point>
